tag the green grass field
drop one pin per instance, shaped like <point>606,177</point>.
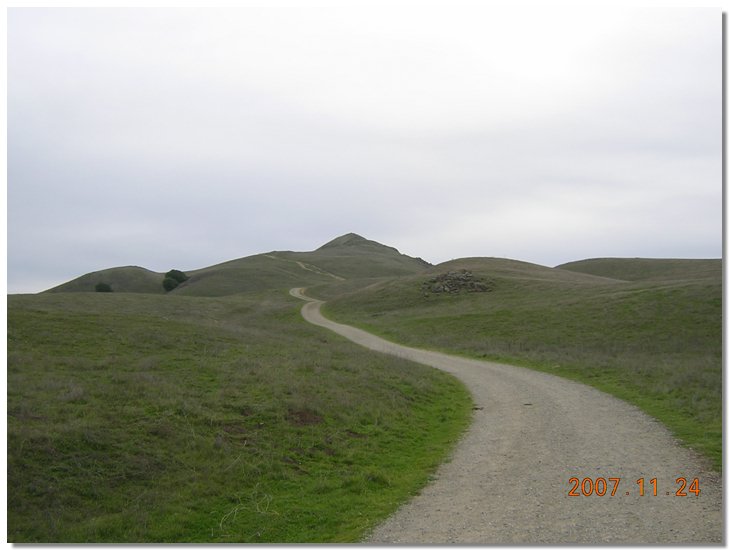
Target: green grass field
<point>164,418</point>
<point>656,342</point>
<point>214,413</point>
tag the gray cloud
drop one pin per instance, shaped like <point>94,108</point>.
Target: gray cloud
<point>188,137</point>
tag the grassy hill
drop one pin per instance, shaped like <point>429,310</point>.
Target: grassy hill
<point>121,279</point>
<point>144,418</point>
<point>346,257</point>
<point>351,256</point>
<point>656,341</point>
<point>648,269</point>
<point>259,272</point>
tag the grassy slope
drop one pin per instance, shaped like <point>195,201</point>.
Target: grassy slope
<point>348,256</point>
<point>644,269</point>
<point>352,257</point>
<point>121,279</point>
<point>655,343</point>
<point>174,418</point>
<point>253,273</point>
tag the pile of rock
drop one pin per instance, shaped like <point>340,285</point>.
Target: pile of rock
<point>454,282</point>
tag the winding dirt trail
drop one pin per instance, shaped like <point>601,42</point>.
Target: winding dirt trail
<point>508,479</point>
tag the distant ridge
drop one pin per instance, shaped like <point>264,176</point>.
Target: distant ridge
<point>354,257</point>
<point>349,256</point>
<point>647,269</point>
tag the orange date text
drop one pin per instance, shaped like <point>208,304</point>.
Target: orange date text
<point>611,486</point>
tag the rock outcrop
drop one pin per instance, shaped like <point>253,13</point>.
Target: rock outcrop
<point>454,282</point>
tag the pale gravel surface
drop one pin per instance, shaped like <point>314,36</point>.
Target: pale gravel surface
<point>507,480</point>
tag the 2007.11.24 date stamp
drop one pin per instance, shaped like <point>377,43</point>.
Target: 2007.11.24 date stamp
<point>610,486</point>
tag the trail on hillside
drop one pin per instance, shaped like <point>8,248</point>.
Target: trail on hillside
<point>509,477</point>
<point>307,267</point>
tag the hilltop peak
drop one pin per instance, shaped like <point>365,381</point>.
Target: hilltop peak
<point>351,245</point>
<point>350,239</point>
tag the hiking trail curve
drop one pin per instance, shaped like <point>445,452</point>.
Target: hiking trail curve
<point>508,479</point>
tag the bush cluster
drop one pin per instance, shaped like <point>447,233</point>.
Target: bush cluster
<point>173,278</point>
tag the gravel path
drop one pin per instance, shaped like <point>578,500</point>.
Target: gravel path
<point>508,479</point>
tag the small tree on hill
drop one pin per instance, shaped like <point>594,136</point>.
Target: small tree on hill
<point>177,275</point>
<point>170,284</point>
<point>103,287</point>
<point>173,278</point>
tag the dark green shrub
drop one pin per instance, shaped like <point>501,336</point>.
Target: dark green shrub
<point>170,284</point>
<point>177,275</point>
<point>103,287</point>
<point>173,278</point>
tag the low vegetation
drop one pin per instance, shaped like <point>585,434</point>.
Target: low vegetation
<point>143,418</point>
<point>173,279</point>
<point>216,414</point>
<point>655,342</point>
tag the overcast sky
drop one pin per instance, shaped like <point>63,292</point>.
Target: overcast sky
<point>173,138</point>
